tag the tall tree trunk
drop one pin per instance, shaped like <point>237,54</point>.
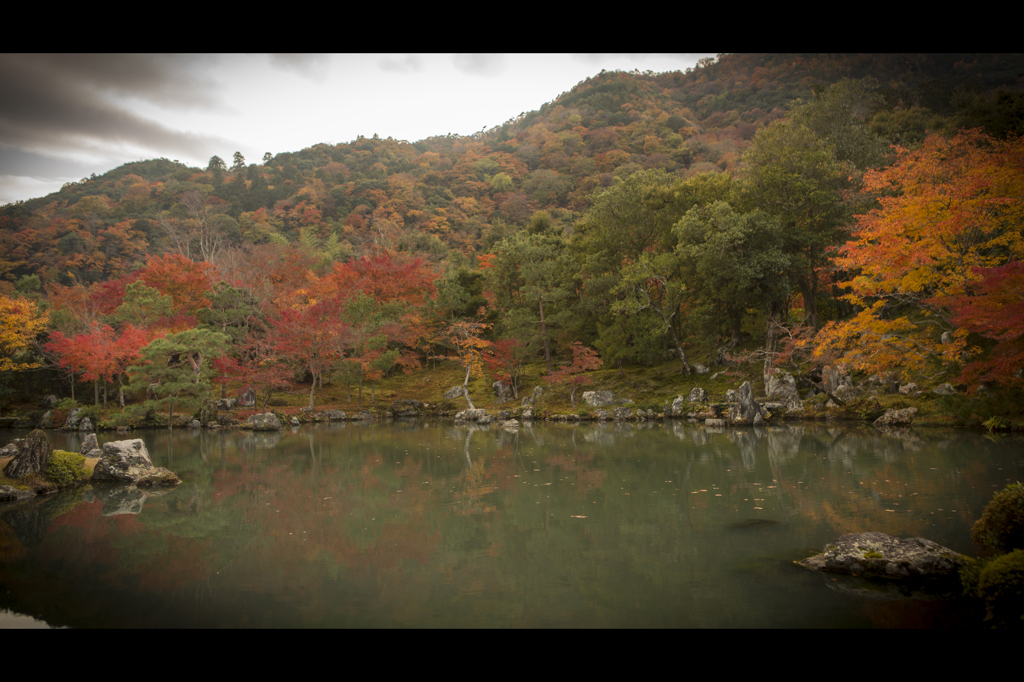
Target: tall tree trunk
<point>679,348</point>
<point>465,387</point>
<point>96,392</point>
<point>808,290</point>
<point>544,333</point>
<point>311,389</point>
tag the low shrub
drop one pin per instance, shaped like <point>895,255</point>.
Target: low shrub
<point>1001,526</point>
<point>67,404</point>
<point>1001,585</point>
<point>64,468</point>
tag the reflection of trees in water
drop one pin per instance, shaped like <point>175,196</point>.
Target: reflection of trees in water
<point>465,524</point>
<point>31,520</point>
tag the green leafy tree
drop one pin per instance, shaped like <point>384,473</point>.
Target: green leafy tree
<point>653,284</point>
<point>732,261</point>
<point>530,279</point>
<point>793,175</point>
<point>143,305</point>
<point>177,369</point>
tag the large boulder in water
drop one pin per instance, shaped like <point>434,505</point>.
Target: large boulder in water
<point>878,555</point>
<point>32,455</point>
<point>747,410</point>
<point>893,417</point>
<point>128,461</point>
<point>263,422</point>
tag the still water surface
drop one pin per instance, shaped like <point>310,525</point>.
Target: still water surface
<point>426,524</point>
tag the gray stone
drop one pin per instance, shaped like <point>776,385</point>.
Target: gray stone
<point>11,449</point>
<point>947,337</point>
<point>225,403</point>
<point>879,555</point>
<point>747,410</point>
<point>128,461</point>
<point>731,396</point>
<point>502,392</point>
<point>46,422</point>
<point>699,368</point>
<point>907,389</point>
<point>471,415</point>
<point>846,393</point>
<point>510,424</point>
<point>484,419</point>
<point>33,452</point>
<point>678,404</point>
<point>247,398</point>
<point>944,389</point>
<point>714,422</point>
<point>832,378</point>
<point>334,415</point>
<point>195,424</point>
<point>85,425</point>
<point>697,395</point>
<point>620,413</point>
<point>781,385</point>
<point>50,401</point>
<point>527,414</point>
<point>455,392</point>
<point>602,415</point>
<point>896,417</point>
<point>267,421</point>
<point>74,417</point>
<point>88,445</point>
<point>9,493</point>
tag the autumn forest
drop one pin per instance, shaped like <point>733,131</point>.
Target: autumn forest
<point>784,210</point>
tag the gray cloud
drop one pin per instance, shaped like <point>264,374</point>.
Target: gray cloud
<point>178,81</point>
<point>408,64</point>
<point>314,67</point>
<point>65,102</point>
<point>479,64</point>
<point>17,162</point>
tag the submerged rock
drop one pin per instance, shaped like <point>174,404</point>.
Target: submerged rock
<point>882,556</point>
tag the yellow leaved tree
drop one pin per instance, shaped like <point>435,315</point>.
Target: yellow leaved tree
<point>20,321</point>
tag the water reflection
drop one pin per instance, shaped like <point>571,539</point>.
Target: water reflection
<point>409,523</point>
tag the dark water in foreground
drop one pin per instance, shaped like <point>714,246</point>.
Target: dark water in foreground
<point>424,524</point>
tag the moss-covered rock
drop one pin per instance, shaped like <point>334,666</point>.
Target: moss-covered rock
<point>1001,526</point>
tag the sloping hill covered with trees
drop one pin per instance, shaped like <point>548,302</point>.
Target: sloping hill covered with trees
<point>637,214</point>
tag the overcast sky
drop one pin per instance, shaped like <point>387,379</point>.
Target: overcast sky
<point>64,117</point>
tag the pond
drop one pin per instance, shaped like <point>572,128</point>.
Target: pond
<point>427,524</point>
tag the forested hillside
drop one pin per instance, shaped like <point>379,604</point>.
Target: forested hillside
<point>834,208</point>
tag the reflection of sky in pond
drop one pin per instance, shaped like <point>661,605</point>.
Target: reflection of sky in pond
<point>434,525</point>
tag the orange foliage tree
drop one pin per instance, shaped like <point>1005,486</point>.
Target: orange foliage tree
<point>571,374</point>
<point>938,254</point>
